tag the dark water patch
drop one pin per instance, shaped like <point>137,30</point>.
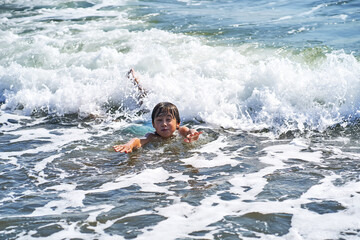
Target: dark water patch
<point>347,177</point>
<point>324,207</point>
<point>248,225</point>
<point>93,159</point>
<point>294,161</point>
<point>81,20</point>
<point>131,227</point>
<point>227,196</point>
<point>197,234</point>
<point>250,165</point>
<point>25,145</point>
<point>340,158</point>
<point>58,121</point>
<point>22,11</point>
<point>198,190</point>
<point>21,195</point>
<point>114,7</point>
<point>31,30</point>
<point>14,181</point>
<point>12,7</point>
<point>76,4</point>
<point>289,134</point>
<point>14,121</point>
<point>350,233</point>
<point>276,224</point>
<point>132,202</point>
<point>219,172</point>
<point>29,160</point>
<point>230,235</point>
<point>108,197</point>
<point>288,184</point>
<point>5,139</point>
<point>249,145</point>
<point>343,165</point>
<point>347,128</point>
<point>194,196</point>
<point>48,230</point>
<point>176,186</point>
<point>23,205</point>
<point>90,179</point>
<point>36,225</point>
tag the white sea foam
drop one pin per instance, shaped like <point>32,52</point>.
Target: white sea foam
<point>221,159</point>
<point>314,9</point>
<point>284,18</point>
<point>255,89</point>
<point>52,141</point>
<point>291,151</point>
<point>331,224</point>
<point>146,180</point>
<point>72,198</point>
<point>341,16</point>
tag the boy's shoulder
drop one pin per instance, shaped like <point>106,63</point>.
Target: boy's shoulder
<point>152,136</point>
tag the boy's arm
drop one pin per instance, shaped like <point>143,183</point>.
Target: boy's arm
<point>131,76</point>
<point>132,144</point>
<point>189,135</point>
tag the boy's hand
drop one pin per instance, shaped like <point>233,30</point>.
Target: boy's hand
<point>134,143</point>
<point>192,136</point>
<point>123,148</point>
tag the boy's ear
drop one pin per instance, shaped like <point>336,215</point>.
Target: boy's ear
<point>177,125</point>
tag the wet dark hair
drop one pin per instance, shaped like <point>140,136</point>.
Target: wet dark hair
<point>165,108</point>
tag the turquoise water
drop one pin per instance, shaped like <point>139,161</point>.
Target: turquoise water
<point>295,24</point>
<point>274,86</point>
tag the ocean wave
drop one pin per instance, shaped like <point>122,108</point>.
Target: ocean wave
<point>243,87</point>
<point>70,67</point>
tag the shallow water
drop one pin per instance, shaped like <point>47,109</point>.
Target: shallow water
<point>273,86</point>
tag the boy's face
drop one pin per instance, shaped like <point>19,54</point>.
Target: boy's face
<point>165,125</point>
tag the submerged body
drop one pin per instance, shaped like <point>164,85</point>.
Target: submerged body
<point>166,121</point>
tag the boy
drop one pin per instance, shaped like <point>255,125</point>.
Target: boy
<point>166,120</point>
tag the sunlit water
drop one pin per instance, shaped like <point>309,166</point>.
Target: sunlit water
<point>274,86</point>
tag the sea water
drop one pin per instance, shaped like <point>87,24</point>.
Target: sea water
<point>273,85</point>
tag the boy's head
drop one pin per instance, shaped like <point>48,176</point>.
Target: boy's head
<point>165,108</point>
